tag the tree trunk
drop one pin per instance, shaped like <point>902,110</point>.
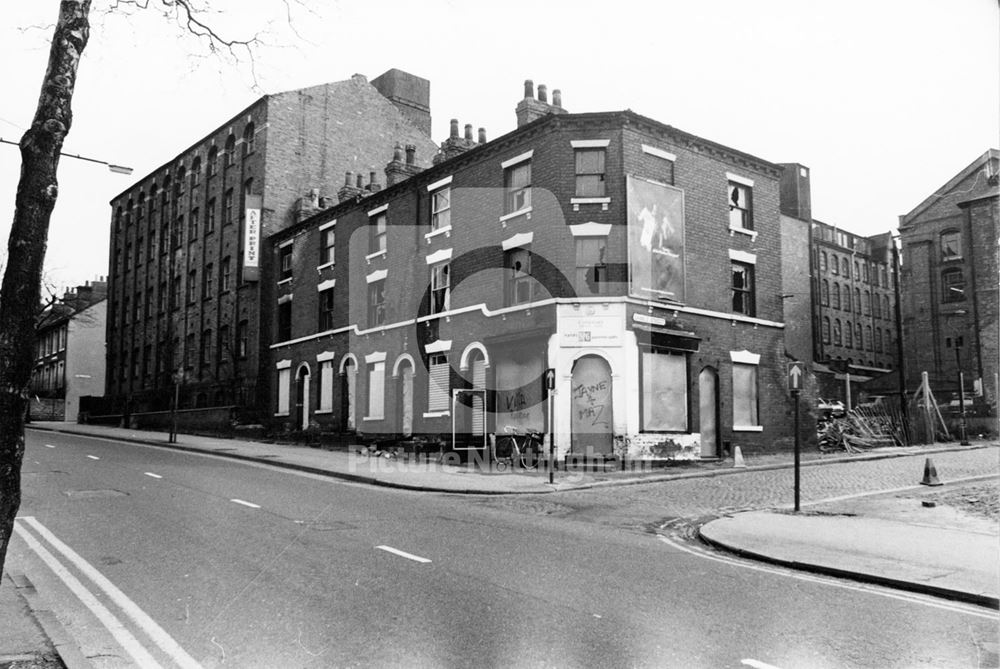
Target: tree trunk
<point>19,295</point>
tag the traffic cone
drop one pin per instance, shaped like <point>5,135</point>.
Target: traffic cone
<point>738,458</point>
<point>930,474</point>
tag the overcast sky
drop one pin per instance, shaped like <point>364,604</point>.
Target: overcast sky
<point>884,100</point>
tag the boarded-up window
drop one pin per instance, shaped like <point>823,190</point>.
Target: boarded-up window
<point>437,383</point>
<point>284,379</point>
<point>376,390</point>
<point>664,392</point>
<point>745,396</point>
<point>326,385</point>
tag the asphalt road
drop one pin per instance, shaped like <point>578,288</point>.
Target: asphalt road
<point>248,566</point>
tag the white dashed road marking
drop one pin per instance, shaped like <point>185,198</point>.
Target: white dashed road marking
<point>155,476</point>
<point>250,504</point>
<point>93,457</point>
<point>49,446</point>
<point>408,556</point>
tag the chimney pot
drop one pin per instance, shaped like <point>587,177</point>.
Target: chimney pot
<point>557,97</point>
<point>348,177</point>
<point>482,135</point>
<point>468,132</point>
<point>371,177</point>
<point>411,151</point>
<point>361,180</point>
<point>454,128</point>
<point>543,93</point>
<point>397,153</point>
<point>529,88</point>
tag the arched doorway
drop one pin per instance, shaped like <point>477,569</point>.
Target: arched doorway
<point>592,421</point>
<point>406,398</point>
<point>708,412</point>
<point>302,397</point>
<point>348,391</point>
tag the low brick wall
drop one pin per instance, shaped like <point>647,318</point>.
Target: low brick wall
<point>213,420</point>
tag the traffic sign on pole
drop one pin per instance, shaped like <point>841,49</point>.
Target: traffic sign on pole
<point>796,370</point>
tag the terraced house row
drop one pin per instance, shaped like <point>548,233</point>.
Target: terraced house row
<point>633,268</point>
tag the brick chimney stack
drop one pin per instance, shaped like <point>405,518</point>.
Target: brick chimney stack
<point>349,190</point>
<point>456,144</point>
<point>401,168</point>
<point>531,108</point>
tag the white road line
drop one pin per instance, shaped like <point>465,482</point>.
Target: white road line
<point>138,616</point>
<point>113,625</point>
<point>93,457</point>
<point>49,446</point>
<point>871,590</point>
<point>757,664</point>
<point>408,556</point>
<point>250,504</point>
<point>155,476</point>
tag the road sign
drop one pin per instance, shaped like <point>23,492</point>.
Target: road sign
<point>796,370</point>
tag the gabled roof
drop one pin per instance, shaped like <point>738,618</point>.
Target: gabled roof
<point>976,165</point>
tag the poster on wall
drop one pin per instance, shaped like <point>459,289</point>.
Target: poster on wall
<point>655,240</point>
<point>251,238</point>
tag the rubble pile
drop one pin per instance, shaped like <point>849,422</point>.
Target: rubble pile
<point>867,426</point>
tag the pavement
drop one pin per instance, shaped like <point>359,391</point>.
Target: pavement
<point>885,539</point>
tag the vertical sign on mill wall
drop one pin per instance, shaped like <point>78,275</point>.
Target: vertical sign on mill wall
<point>251,238</point>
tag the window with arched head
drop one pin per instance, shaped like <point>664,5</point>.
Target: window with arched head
<point>179,182</point>
<point>212,163</point>
<point>196,171</point>
<point>230,154</point>
<point>248,139</point>
<point>836,333</point>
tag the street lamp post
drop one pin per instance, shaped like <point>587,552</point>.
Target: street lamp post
<point>961,393</point>
<point>958,368</point>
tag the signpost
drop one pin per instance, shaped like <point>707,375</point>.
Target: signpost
<point>796,371</point>
<point>550,386</point>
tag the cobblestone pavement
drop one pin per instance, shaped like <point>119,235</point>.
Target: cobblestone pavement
<point>639,506</point>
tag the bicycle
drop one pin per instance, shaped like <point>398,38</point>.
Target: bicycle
<point>524,448</point>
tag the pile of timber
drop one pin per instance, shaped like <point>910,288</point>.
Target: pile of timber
<point>867,426</point>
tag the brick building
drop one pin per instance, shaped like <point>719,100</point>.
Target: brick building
<point>185,239</point>
<point>949,286</point>
<point>69,352</point>
<point>639,262</point>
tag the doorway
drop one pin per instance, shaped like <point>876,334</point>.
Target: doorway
<point>349,378</point>
<point>302,397</point>
<point>406,400</point>
<point>708,412</point>
<point>592,422</point>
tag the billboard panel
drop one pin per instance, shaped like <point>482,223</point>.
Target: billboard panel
<point>655,240</point>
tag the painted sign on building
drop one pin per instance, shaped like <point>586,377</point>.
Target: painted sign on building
<point>251,238</point>
<point>655,240</point>
<point>590,329</point>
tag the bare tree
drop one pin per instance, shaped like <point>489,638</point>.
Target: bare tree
<point>37,190</point>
